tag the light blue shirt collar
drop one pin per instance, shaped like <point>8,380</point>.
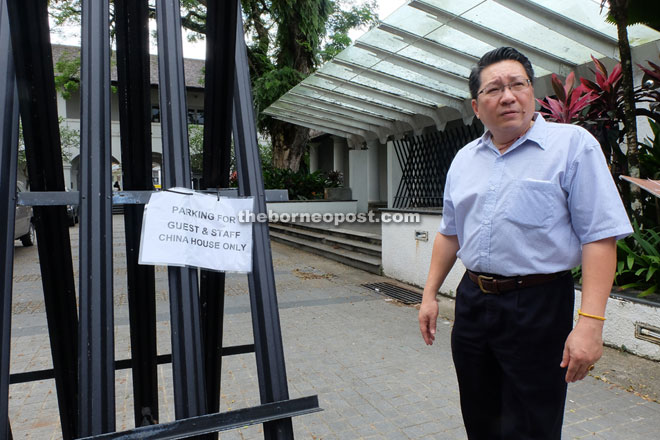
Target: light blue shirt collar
<point>536,134</point>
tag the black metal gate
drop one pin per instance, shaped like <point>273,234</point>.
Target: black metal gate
<point>82,340</point>
<point>425,160</point>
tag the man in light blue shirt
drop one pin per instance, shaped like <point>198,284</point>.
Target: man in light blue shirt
<point>523,204</point>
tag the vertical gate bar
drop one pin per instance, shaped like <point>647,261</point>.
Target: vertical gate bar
<point>28,20</point>
<point>97,378</point>
<point>187,357</point>
<point>263,300</point>
<point>8,164</point>
<point>133,63</point>
<point>218,96</point>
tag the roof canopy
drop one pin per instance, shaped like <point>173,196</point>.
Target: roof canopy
<point>411,71</point>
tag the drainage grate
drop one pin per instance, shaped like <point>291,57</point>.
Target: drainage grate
<point>399,293</point>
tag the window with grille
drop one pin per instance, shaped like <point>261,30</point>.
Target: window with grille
<point>424,161</point>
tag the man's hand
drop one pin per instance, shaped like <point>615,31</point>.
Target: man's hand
<point>443,258</point>
<point>584,346</point>
<point>428,315</point>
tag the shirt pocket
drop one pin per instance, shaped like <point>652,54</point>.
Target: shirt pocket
<point>530,203</point>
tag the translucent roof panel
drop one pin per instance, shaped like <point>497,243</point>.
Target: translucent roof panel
<point>353,75</point>
<point>414,65</point>
<point>403,68</point>
<point>326,87</point>
<point>303,95</point>
<point>499,19</point>
<point>425,54</point>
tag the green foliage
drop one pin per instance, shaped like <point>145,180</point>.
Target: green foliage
<point>341,21</point>
<point>67,74</point>
<point>196,144</point>
<point>307,33</point>
<point>301,185</point>
<point>69,139</point>
<point>301,26</point>
<point>270,86</point>
<point>639,261</point>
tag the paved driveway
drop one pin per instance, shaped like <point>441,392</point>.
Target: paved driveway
<point>358,351</point>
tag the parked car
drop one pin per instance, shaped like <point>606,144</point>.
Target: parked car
<point>24,226</point>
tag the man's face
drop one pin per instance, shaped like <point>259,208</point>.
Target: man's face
<point>507,114</point>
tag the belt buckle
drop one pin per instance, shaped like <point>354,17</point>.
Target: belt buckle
<point>481,278</point>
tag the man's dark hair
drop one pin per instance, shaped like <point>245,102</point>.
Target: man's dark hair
<point>495,56</point>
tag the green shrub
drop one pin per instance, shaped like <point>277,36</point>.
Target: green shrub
<point>301,185</point>
<point>639,261</point>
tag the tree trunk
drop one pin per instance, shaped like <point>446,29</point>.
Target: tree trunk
<point>618,8</point>
<point>289,143</point>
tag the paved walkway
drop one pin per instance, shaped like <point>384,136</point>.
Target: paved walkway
<point>359,352</point>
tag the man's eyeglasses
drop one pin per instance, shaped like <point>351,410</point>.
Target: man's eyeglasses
<point>494,91</point>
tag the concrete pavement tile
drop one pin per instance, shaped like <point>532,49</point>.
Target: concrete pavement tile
<point>423,429</point>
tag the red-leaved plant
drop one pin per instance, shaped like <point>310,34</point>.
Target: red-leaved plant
<point>607,105</point>
<point>569,103</point>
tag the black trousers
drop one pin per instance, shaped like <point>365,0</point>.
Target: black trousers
<point>507,349</point>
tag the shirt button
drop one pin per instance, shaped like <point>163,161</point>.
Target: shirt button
<point>486,222</point>
<point>492,187</point>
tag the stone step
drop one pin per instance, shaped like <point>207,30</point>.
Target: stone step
<point>350,258</point>
<point>321,236</point>
<point>350,234</point>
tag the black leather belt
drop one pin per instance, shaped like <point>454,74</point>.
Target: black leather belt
<point>496,284</point>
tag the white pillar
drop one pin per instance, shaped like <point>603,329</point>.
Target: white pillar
<point>394,173</point>
<point>372,170</point>
<point>339,145</point>
<point>357,160</point>
<point>66,165</point>
<point>313,157</point>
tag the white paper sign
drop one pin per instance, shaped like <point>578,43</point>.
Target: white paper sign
<point>184,228</point>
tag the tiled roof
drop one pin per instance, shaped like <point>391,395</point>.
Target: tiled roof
<point>194,69</point>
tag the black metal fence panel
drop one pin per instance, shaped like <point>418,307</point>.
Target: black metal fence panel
<point>9,160</point>
<point>96,356</point>
<point>424,162</point>
<point>134,92</point>
<point>218,106</point>
<point>83,357</point>
<point>33,62</point>
<point>263,301</point>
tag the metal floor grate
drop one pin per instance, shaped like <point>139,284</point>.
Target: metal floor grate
<point>399,293</point>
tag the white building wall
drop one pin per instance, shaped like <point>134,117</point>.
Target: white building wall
<point>372,171</point>
<point>382,173</point>
<point>313,157</point>
<point>407,259</point>
<point>358,178</point>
